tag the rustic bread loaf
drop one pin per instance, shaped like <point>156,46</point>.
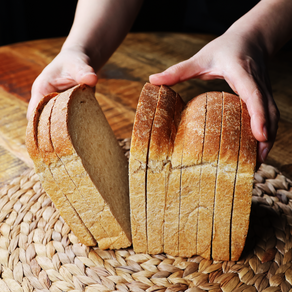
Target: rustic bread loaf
<point>191,175</point>
<point>243,185</point>
<point>227,167</point>
<point>87,147</point>
<point>161,143</point>
<point>66,210</point>
<point>209,172</point>
<point>137,164</point>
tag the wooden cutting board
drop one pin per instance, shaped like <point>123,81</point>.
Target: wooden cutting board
<point>121,80</point>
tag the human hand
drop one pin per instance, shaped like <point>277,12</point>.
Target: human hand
<point>240,60</point>
<point>69,68</point>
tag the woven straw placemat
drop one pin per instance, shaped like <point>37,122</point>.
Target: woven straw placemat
<point>38,252</point>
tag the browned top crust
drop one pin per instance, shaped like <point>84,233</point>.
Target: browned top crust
<point>143,122</point>
<point>31,130</point>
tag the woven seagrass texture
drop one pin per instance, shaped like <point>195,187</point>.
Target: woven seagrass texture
<point>38,252</point>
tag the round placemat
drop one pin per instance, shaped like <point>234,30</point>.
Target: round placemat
<point>38,251</point>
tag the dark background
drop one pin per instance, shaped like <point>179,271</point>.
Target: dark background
<point>23,20</point>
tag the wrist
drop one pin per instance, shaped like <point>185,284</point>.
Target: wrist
<point>267,25</point>
<point>92,55</point>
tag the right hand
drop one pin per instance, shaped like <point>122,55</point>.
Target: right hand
<point>69,68</point>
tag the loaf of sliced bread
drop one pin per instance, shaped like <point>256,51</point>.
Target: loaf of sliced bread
<point>138,164</point>
<point>88,150</point>
<point>53,190</point>
<point>227,167</point>
<point>243,185</point>
<point>161,143</point>
<point>191,175</point>
<point>209,172</point>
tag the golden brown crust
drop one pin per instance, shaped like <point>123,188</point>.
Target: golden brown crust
<point>190,176</point>
<point>137,165</point>
<point>31,130</point>
<point>158,168</point>
<point>244,185</point>
<point>228,156</point>
<point>68,131</point>
<point>208,173</point>
<point>61,202</point>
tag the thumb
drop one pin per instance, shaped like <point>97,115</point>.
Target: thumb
<point>86,76</point>
<point>177,73</point>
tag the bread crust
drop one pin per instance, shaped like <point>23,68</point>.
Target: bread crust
<point>158,167</point>
<point>208,173</point>
<point>227,166</point>
<point>243,186</point>
<point>91,205</point>
<point>171,217</point>
<point>137,164</point>
<point>66,211</point>
<point>190,176</point>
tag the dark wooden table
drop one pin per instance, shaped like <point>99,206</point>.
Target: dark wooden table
<point>120,83</point>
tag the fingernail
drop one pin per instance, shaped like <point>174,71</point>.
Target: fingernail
<point>264,154</point>
<point>265,133</point>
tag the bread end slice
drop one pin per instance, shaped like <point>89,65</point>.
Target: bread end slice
<point>243,186</point>
<point>86,144</point>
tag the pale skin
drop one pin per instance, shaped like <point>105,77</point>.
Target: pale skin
<point>239,56</point>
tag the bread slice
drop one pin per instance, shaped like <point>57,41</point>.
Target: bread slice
<point>159,165</point>
<point>243,186</point>
<point>137,164</point>
<point>208,172</point>
<point>227,166</point>
<point>87,147</point>
<point>190,176</point>
<point>172,200</point>
<point>61,176</point>
<point>48,183</point>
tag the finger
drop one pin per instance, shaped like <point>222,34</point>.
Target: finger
<point>180,72</point>
<point>256,101</point>
<point>89,79</point>
<point>274,116</point>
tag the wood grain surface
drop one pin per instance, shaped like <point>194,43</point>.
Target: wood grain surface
<point>121,80</point>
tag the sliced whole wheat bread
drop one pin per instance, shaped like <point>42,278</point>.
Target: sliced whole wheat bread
<point>89,151</point>
<point>138,162</point>
<point>208,173</point>
<point>66,210</point>
<point>227,167</point>
<point>161,142</point>
<point>190,176</point>
<point>243,186</point>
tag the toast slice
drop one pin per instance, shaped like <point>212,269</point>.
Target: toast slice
<point>137,164</point>
<point>243,186</point>
<point>66,210</point>
<point>209,172</point>
<point>190,176</point>
<point>227,167</point>
<point>161,142</point>
<point>87,148</point>
<point>172,200</point>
